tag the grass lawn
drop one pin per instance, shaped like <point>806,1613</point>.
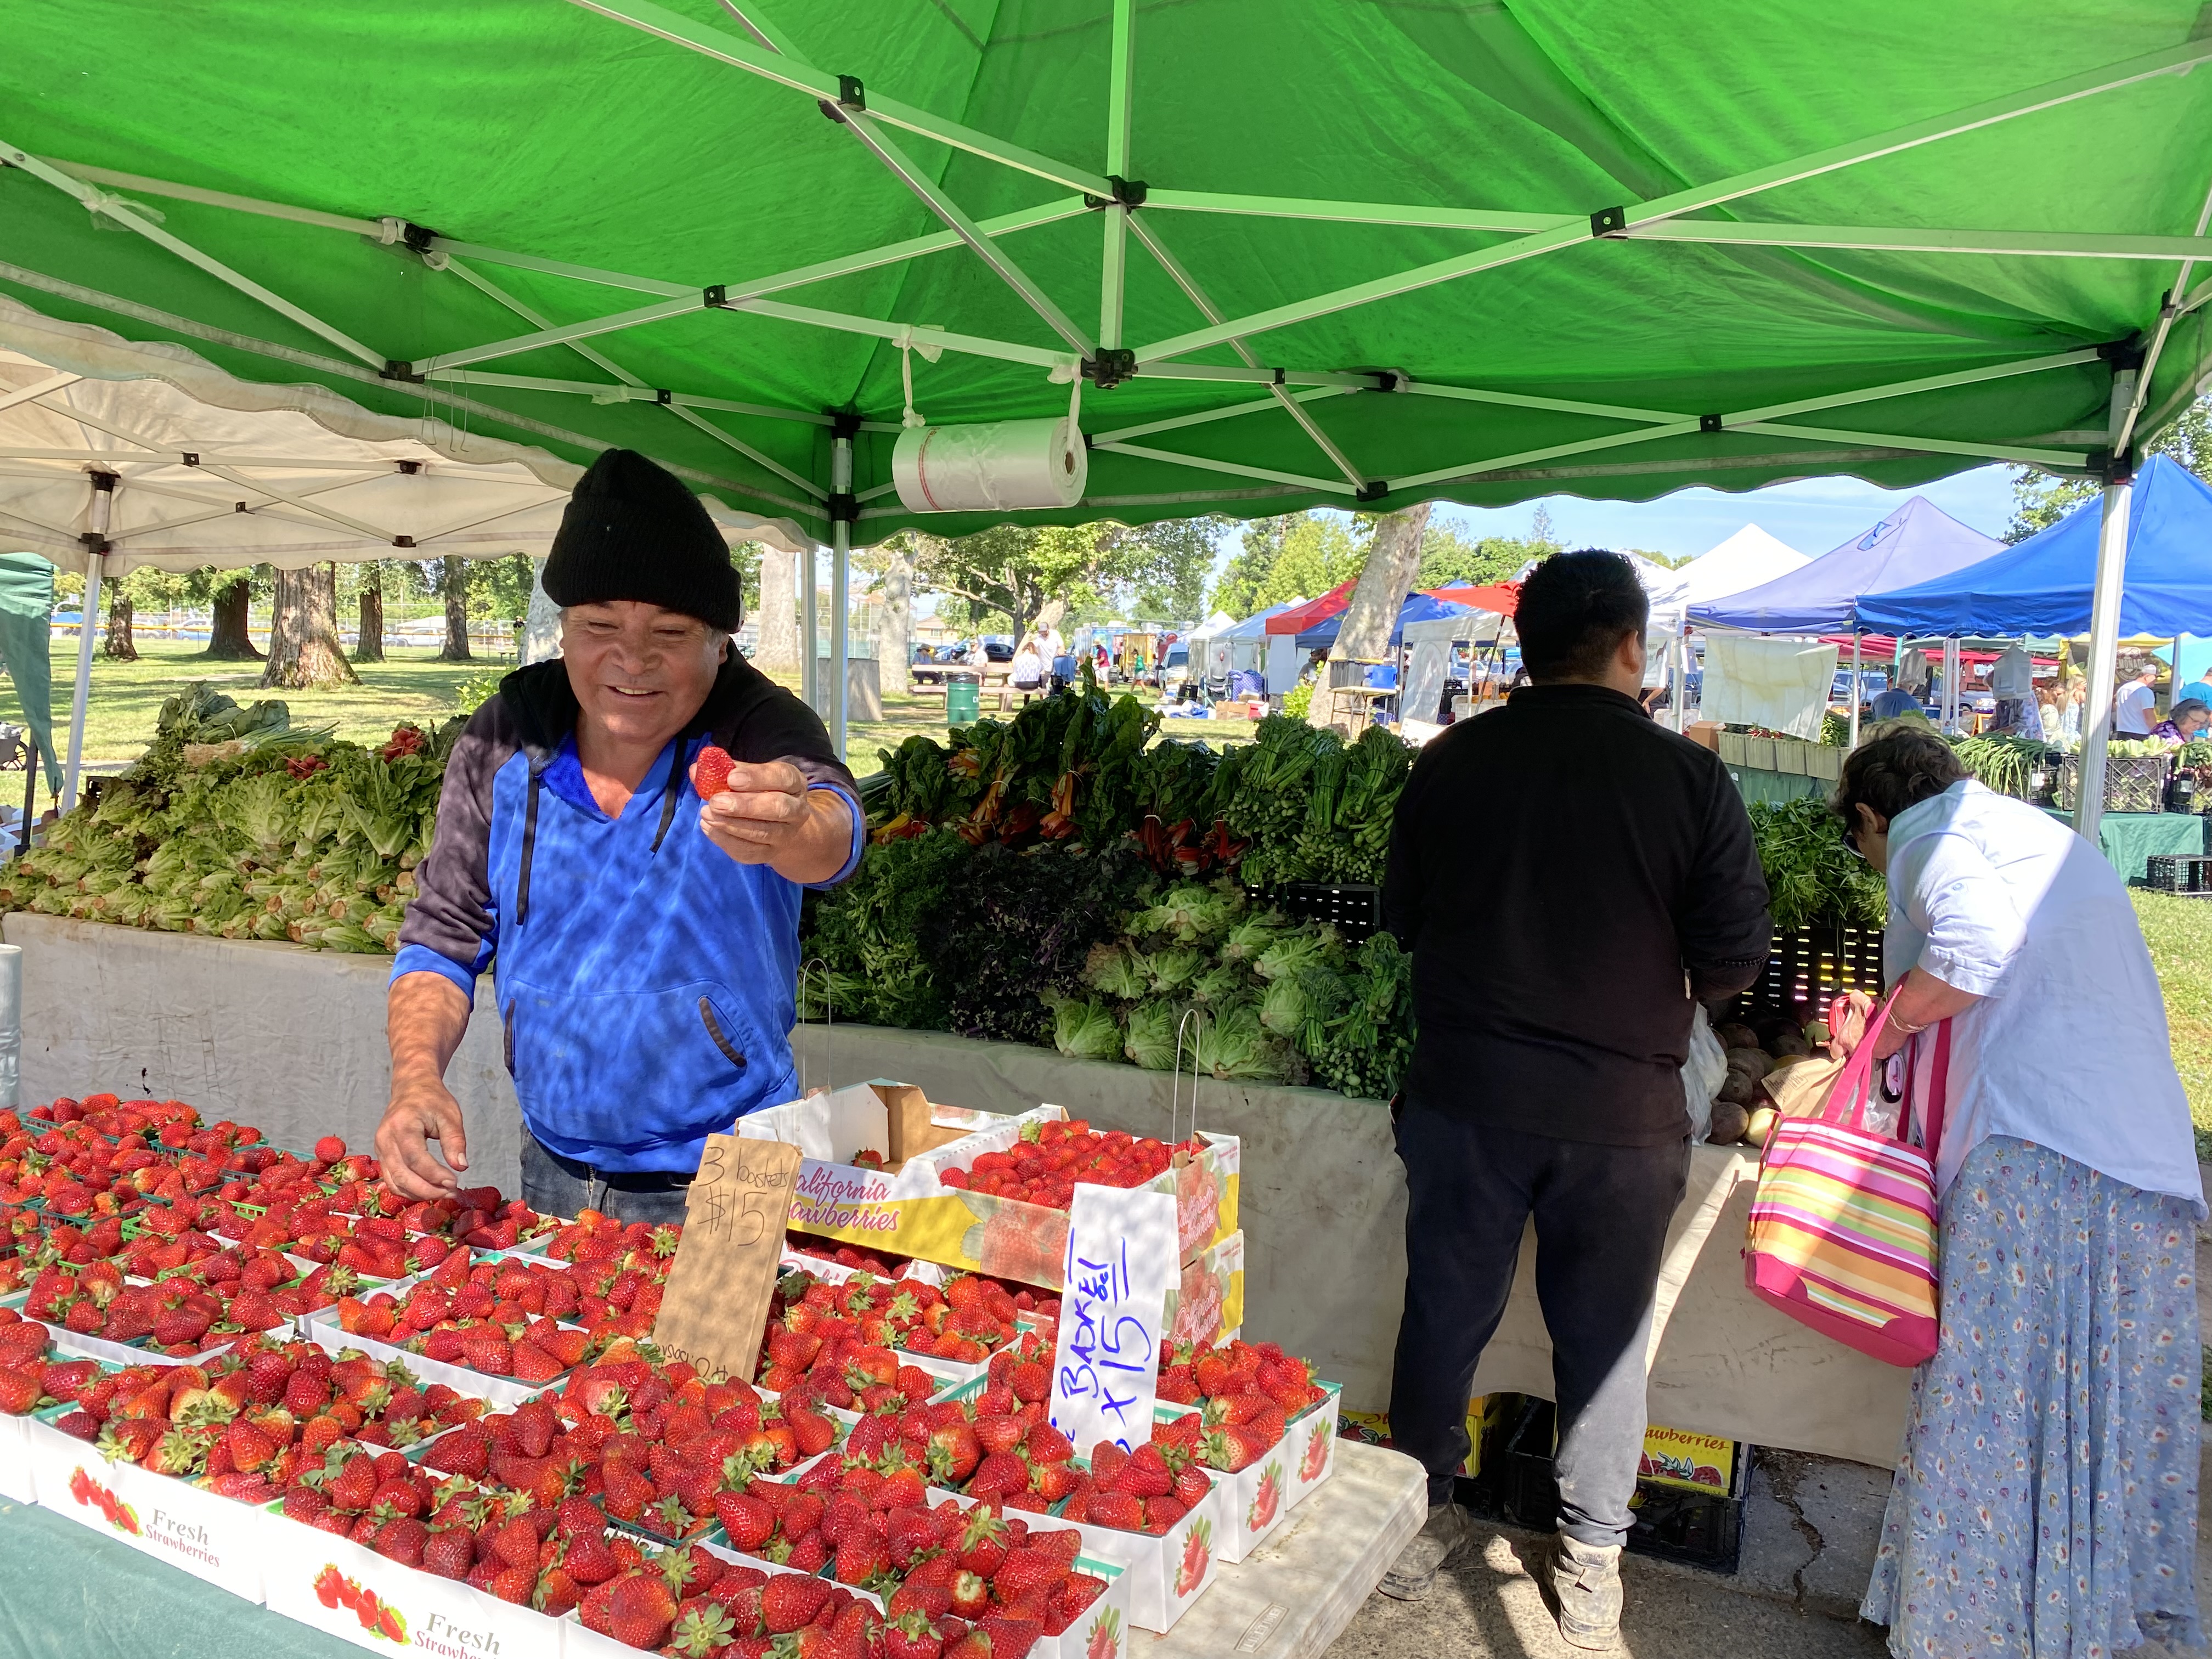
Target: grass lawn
<point>410,685</point>
<point>2180,934</point>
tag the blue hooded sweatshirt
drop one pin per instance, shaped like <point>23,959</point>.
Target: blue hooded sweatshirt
<point>645,979</point>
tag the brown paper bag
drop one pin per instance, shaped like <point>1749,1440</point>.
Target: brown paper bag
<point>1802,1090</point>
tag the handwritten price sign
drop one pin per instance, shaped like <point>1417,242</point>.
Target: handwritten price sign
<point>1121,1264</point>
<point>724,1273</point>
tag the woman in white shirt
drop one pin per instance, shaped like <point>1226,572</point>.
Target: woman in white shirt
<point>1028,669</point>
<point>2045,1500</point>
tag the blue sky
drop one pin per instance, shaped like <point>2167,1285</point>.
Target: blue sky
<point>1812,515</point>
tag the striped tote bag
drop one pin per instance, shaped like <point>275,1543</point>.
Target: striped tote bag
<point>1843,1224</point>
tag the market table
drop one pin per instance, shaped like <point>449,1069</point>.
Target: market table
<point>293,1040</point>
<point>1288,1599</point>
<point>2130,840</point>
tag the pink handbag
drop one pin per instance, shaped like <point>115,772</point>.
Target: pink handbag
<point>1844,1225</point>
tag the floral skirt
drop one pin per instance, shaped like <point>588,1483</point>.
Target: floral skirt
<point>2046,1502</point>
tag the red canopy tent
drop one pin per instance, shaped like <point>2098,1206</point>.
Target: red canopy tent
<point>1500,597</point>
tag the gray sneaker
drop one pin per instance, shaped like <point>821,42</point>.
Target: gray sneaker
<point>1440,1541</point>
<point>1585,1584</point>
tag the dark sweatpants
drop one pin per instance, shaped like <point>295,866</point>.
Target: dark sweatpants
<point>1602,1214</point>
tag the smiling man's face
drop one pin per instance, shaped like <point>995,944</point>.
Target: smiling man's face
<point>639,673</point>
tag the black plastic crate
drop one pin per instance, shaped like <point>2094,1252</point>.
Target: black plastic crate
<point>1703,1528</point>
<point>1353,909</point>
<point>2133,783</point>
<point>2186,874</point>
<point>1810,965</point>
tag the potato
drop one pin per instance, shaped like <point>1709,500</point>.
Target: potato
<point>1756,1062</point>
<point>1740,1089</point>
<point>1735,1036</point>
<point>1761,1125</point>
<point>1729,1121</point>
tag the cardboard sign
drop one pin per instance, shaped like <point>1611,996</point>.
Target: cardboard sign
<point>1120,1265</point>
<point>718,1287</point>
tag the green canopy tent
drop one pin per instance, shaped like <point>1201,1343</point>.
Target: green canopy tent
<point>1292,254</point>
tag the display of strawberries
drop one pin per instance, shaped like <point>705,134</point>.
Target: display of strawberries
<point>1147,1489</point>
<point>1248,1390</point>
<point>23,1345</point>
<point>1057,1155</point>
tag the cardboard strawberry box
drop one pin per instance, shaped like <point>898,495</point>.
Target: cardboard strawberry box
<point>1207,1304</point>
<point>1164,1574</point>
<point>1101,1631</point>
<point>322,1328</point>
<point>16,1480</point>
<point>210,1537</point>
<point>1256,1500</point>
<point>906,1207</point>
<point>359,1597</point>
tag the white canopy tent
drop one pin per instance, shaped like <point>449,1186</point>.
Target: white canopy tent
<point>1746,559</point>
<point>1428,660</point>
<point>115,456</point>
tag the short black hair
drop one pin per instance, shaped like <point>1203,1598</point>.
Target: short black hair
<point>1900,766</point>
<point>1575,610</point>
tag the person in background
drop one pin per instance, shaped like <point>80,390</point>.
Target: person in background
<point>1896,704</point>
<point>2012,683</point>
<point>2135,711</point>
<point>2184,721</point>
<point>1049,645</point>
<point>2047,718</point>
<point>977,656</point>
<point>2046,1497</point>
<point>2196,691</point>
<point>2069,713</point>
<point>1026,673</point>
<point>1569,876</point>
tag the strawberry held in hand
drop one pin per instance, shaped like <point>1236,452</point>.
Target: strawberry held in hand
<point>710,773</point>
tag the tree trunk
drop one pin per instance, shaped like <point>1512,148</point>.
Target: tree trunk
<point>775,648</point>
<point>120,647</point>
<point>541,623</point>
<point>1394,561</point>
<point>453,583</point>
<point>227,639</point>
<point>1048,615</point>
<point>304,650</point>
<point>370,647</point>
<point>895,652</point>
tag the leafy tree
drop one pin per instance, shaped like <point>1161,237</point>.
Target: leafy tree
<point>1033,575</point>
<point>2040,500</point>
<point>1298,556</point>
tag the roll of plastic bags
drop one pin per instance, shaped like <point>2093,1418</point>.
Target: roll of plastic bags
<point>992,467</point>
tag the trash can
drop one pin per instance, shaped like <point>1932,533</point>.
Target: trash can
<point>964,696</point>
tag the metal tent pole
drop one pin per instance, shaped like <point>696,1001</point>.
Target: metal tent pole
<point>95,551</point>
<point>2104,652</point>
<point>841,575</point>
<point>1855,688</point>
<point>809,623</point>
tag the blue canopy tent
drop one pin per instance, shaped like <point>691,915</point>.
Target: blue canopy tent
<point>2047,584</point>
<point>1417,607</point>
<point>1918,543</point>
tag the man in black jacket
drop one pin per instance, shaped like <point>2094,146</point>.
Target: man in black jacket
<point>1569,876</point>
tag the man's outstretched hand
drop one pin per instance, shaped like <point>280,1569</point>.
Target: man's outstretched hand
<point>766,813</point>
<point>421,1112</point>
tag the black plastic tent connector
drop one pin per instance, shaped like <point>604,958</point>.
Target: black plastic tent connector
<point>396,369</point>
<point>2122,353</point>
<point>1128,192</point>
<point>1609,221</point>
<point>843,508</point>
<point>1112,366</point>
<point>844,422</point>
<point>408,469</point>
<point>417,237</point>
<point>1373,490</point>
<point>2106,468</point>
<point>851,94</point>
<point>402,541</point>
<point>192,457</point>
<point>1710,423</point>
<point>716,297</point>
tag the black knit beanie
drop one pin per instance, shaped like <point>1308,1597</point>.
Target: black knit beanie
<point>633,531</point>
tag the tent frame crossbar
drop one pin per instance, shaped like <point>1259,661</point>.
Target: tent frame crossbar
<point>122,213</point>
<point>1625,221</point>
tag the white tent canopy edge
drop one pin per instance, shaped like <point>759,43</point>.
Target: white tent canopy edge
<point>116,456</point>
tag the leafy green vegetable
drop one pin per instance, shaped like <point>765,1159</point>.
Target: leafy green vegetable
<point>1812,875</point>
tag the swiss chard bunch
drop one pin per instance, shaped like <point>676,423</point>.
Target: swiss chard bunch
<point>1812,874</point>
